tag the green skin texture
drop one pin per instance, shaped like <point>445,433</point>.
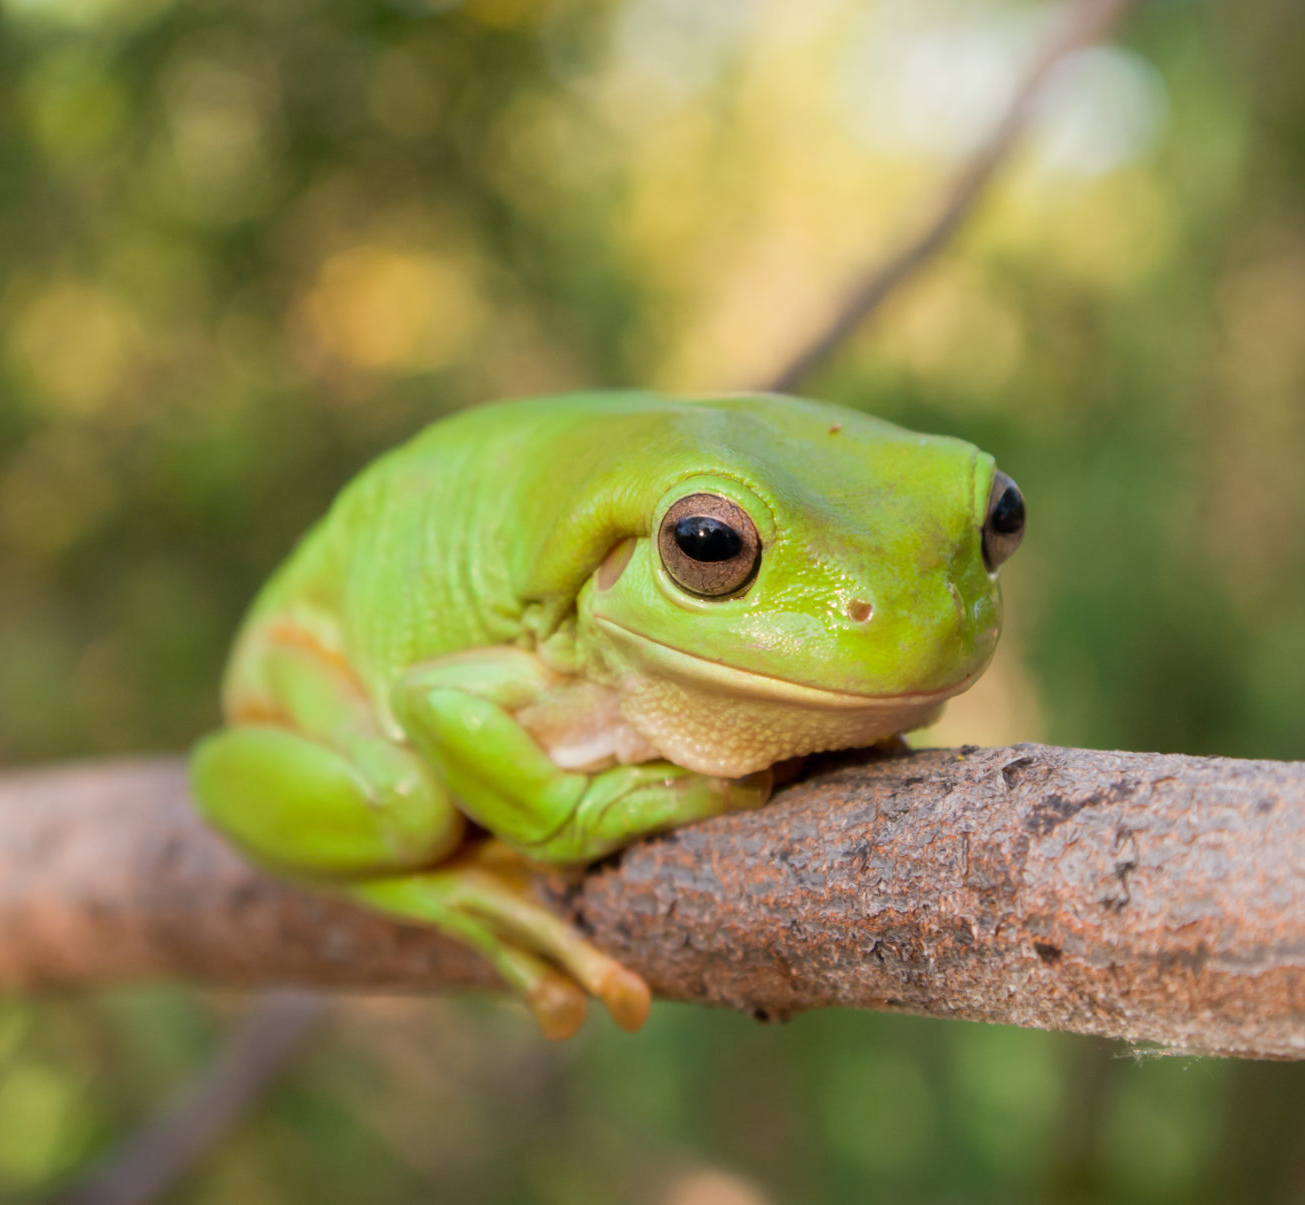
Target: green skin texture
<point>374,690</point>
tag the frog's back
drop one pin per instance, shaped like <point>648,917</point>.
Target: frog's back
<point>416,557</point>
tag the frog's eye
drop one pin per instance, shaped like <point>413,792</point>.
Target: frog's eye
<point>709,545</point>
<point>1004,527</point>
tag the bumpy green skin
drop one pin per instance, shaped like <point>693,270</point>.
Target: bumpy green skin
<point>443,639</point>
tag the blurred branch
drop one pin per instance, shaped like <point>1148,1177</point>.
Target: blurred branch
<point>1086,22</point>
<point>252,1056</point>
<point>1151,898</point>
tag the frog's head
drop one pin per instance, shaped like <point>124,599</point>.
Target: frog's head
<point>808,578</point>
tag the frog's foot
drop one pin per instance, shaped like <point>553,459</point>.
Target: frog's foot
<point>485,903</point>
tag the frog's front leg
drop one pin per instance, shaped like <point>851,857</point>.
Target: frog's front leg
<point>462,713</point>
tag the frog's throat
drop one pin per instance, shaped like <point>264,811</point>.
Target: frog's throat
<point>719,719</point>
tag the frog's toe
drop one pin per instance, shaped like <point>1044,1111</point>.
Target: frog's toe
<point>626,996</point>
<point>556,1000</point>
<point>559,1006</point>
<point>559,1003</point>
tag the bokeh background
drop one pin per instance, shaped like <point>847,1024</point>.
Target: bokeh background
<point>246,244</point>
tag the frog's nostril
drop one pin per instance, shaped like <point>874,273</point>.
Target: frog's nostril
<point>859,611</point>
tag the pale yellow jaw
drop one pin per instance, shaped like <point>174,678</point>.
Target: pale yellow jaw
<point>719,720</point>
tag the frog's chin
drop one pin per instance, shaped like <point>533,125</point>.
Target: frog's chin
<point>718,719</point>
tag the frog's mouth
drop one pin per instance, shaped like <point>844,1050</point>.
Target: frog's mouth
<point>717,719</point>
<point>675,664</point>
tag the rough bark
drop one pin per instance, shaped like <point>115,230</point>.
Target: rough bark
<point>1155,899</point>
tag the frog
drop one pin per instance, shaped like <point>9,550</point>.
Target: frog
<point>544,629</point>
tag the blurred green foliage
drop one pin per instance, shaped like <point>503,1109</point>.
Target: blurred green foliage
<point>245,244</point>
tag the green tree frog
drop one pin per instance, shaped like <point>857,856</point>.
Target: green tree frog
<point>544,629</point>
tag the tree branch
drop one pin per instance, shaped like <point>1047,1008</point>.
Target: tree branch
<point>259,1046</point>
<point>1152,898</point>
<point>1086,22</point>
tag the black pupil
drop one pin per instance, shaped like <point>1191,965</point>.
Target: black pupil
<point>706,539</point>
<point>1007,517</point>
